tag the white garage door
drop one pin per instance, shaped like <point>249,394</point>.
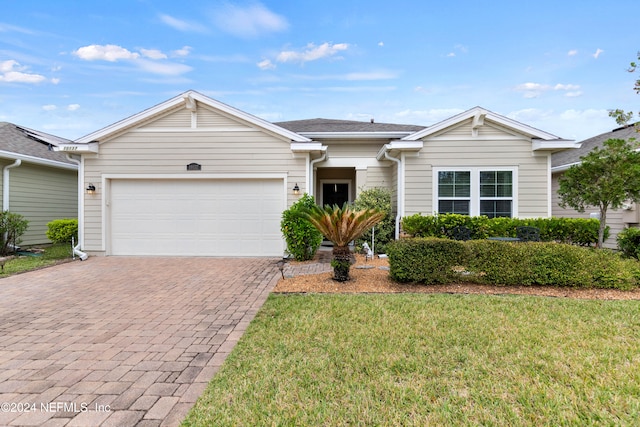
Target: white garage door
<point>197,217</point>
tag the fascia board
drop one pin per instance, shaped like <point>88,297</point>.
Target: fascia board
<point>38,160</point>
<point>502,120</point>
<point>183,98</point>
<point>561,144</point>
<point>78,148</point>
<point>305,147</point>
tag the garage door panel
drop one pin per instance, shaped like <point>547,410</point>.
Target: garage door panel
<point>197,217</point>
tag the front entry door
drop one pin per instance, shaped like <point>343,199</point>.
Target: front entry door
<point>335,194</point>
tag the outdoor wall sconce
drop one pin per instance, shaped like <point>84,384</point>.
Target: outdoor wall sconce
<point>91,189</point>
<point>296,189</point>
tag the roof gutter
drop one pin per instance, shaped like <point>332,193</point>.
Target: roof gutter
<point>36,160</point>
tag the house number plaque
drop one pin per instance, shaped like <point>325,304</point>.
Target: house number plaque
<point>194,167</point>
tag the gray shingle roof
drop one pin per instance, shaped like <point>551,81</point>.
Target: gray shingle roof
<point>333,125</point>
<point>28,142</point>
<point>569,157</point>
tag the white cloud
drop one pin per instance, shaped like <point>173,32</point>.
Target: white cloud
<point>109,52</point>
<point>312,52</point>
<point>572,52</point>
<point>598,53</point>
<point>566,87</point>
<point>73,107</point>
<point>451,54</point>
<point>49,107</point>
<point>184,51</point>
<point>251,21</point>
<point>153,54</point>
<point>164,68</point>
<point>180,25</point>
<point>55,80</point>
<point>534,90</point>
<point>12,72</point>
<point>381,44</point>
<point>266,65</point>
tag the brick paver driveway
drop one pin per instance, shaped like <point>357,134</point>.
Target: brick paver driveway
<point>121,341</point>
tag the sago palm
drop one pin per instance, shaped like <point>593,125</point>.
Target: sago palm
<point>342,225</point>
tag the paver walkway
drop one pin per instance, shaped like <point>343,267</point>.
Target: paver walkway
<point>115,341</point>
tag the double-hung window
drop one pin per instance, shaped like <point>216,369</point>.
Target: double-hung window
<point>476,191</point>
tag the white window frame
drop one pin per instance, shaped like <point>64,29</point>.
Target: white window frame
<point>474,205</point>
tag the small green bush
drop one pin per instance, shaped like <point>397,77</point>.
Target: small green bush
<point>427,261</point>
<point>629,242</point>
<point>303,239</point>
<point>377,198</point>
<point>432,260</point>
<point>62,230</point>
<point>578,231</point>
<point>12,227</point>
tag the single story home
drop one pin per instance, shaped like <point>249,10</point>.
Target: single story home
<point>37,182</point>
<point>617,220</point>
<point>193,176</point>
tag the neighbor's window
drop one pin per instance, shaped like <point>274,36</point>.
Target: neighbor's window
<point>476,192</point>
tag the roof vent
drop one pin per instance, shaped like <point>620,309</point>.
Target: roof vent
<point>372,120</point>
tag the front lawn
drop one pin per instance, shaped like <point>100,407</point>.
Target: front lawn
<point>52,255</point>
<point>430,360</point>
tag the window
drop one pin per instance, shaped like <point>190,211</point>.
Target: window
<point>476,191</point>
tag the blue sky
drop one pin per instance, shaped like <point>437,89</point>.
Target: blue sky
<point>72,67</point>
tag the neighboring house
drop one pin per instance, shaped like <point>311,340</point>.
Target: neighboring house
<point>194,176</point>
<point>617,220</point>
<point>37,182</point>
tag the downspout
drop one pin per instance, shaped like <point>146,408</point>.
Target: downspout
<point>5,183</point>
<point>5,193</point>
<point>400,191</point>
<point>76,249</point>
<point>311,175</point>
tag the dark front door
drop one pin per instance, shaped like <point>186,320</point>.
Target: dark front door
<point>335,194</point>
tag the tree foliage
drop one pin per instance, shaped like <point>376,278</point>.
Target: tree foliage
<point>341,225</point>
<point>624,117</point>
<point>606,178</point>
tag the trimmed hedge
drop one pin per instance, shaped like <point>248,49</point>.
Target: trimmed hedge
<point>432,260</point>
<point>427,260</point>
<point>577,231</point>
<point>62,230</point>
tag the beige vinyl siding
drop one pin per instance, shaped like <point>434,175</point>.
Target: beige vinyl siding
<point>154,151</point>
<point>42,194</point>
<point>615,218</point>
<point>493,147</point>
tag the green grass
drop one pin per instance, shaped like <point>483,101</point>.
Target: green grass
<point>338,360</point>
<point>52,255</point>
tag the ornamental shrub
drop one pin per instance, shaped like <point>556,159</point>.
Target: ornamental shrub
<point>62,230</point>
<point>629,242</point>
<point>577,231</point>
<point>426,260</point>
<point>377,198</point>
<point>12,227</point>
<point>303,239</point>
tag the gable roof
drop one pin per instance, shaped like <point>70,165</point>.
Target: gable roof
<point>479,115</point>
<point>32,146</point>
<point>570,157</point>
<point>188,99</point>
<point>334,125</point>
